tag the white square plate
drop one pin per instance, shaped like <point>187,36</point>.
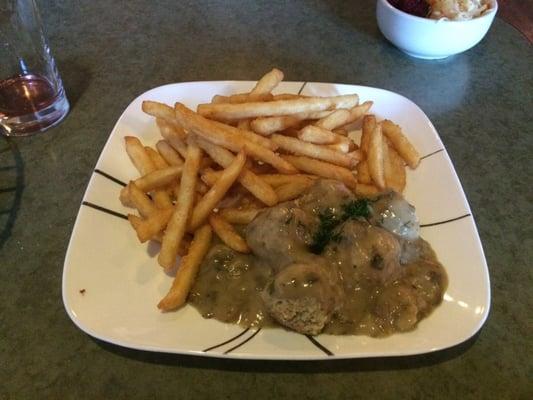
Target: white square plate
<point>111,283</point>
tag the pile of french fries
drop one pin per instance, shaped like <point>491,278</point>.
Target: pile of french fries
<point>219,166</point>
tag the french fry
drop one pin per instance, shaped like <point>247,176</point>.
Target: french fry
<point>239,98</point>
<point>356,154</point>
<point>162,199</point>
<point>136,221</point>
<point>340,131</point>
<point>344,117</point>
<point>138,155</point>
<point>140,200</point>
<point>212,132</point>
<point>239,216</point>
<point>158,179</point>
<point>201,187</point>
<point>125,198</point>
<point>209,177</point>
<point>317,135</point>
<point>144,164</point>
<point>375,157</point>
<point>248,135</point>
<point>343,147</point>
<point>369,123</point>
<point>274,108</point>
<point>158,110</point>
<point>276,180</point>
<point>189,267</point>
<point>354,135</point>
<point>184,246</point>
<point>217,191</point>
<point>268,125</point>
<point>394,169</point>
<point>172,137</point>
<point>363,176</point>
<point>323,169</point>
<point>273,180</point>
<point>400,143</point>
<point>228,234</point>
<point>290,191</point>
<point>334,120</point>
<point>178,223</point>
<point>170,155</point>
<point>299,147</point>
<point>244,124</point>
<point>261,91</point>
<point>154,224</point>
<point>266,84</point>
<point>288,96</point>
<point>253,183</point>
<point>156,158</point>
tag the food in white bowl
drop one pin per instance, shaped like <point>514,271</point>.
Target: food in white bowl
<point>438,30</point>
<point>459,10</point>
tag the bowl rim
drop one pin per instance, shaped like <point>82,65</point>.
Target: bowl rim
<point>441,21</point>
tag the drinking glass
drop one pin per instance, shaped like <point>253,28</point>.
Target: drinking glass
<point>32,97</point>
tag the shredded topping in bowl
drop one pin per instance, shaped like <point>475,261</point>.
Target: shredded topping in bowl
<point>459,9</point>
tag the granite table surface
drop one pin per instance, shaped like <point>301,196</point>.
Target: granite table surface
<point>109,52</point>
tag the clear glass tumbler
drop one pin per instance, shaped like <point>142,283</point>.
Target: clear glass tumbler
<point>32,97</point>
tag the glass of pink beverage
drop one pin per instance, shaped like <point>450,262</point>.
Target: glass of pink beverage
<point>32,97</point>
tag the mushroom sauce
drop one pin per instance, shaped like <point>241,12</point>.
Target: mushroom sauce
<point>326,262</point>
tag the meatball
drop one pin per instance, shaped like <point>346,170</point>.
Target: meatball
<point>302,297</point>
<point>280,235</point>
<point>365,252</point>
<point>324,194</point>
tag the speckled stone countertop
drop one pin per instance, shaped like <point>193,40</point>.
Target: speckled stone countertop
<point>109,52</point>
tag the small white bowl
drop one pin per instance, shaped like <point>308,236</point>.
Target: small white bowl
<point>430,38</point>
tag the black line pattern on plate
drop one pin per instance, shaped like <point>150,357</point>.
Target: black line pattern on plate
<point>302,88</point>
<point>227,341</point>
<point>105,210</point>
<point>243,342</point>
<point>446,221</point>
<point>430,154</point>
<point>110,177</point>
<point>319,345</point>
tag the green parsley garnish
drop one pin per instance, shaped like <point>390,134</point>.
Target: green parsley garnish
<point>329,222</point>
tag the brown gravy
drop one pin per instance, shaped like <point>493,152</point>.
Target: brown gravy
<point>367,281</point>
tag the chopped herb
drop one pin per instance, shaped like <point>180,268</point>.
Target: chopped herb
<point>336,237</point>
<point>356,209</point>
<point>329,222</point>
